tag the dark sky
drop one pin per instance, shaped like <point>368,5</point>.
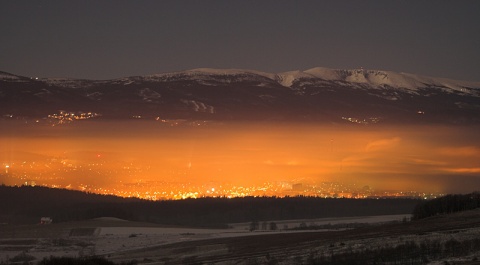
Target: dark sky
<point>109,39</point>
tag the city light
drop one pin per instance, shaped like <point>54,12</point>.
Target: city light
<point>178,159</point>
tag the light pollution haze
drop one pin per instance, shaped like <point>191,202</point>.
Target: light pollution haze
<point>118,155</point>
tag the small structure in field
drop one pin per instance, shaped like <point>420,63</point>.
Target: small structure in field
<point>46,220</point>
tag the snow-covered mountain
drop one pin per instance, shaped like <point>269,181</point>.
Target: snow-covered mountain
<point>319,94</point>
<point>379,79</point>
<point>356,77</point>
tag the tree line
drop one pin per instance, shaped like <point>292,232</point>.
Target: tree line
<point>447,204</point>
<point>28,204</point>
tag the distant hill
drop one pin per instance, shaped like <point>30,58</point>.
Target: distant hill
<point>28,204</point>
<point>318,94</point>
<point>448,204</point>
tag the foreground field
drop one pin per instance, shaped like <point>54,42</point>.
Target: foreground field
<point>123,241</point>
<point>120,239</point>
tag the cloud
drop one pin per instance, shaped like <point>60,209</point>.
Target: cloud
<point>460,151</point>
<point>293,163</point>
<point>427,162</point>
<point>288,163</point>
<point>463,170</point>
<point>382,144</point>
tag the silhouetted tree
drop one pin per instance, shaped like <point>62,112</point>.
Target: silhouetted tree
<point>303,225</point>
<point>273,226</point>
<point>253,226</point>
<point>264,225</point>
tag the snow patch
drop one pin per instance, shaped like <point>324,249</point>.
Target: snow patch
<point>324,73</point>
<point>287,78</point>
<point>95,95</point>
<point>44,92</point>
<point>149,95</point>
<point>198,106</point>
<point>268,98</point>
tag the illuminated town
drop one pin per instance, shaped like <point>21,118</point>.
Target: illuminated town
<point>63,117</point>
<point>371,120</point>
<point>42,174</point>
<point>169,159</point>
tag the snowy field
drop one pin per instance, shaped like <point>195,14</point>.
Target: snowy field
<point>122,240</point>
<point>112,235</point>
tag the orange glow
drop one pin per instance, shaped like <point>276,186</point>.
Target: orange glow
<point>150,160</point>
<point>463,170</point>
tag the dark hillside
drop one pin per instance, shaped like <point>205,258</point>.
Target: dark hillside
<point>28,204</point>
<point>447,204</point>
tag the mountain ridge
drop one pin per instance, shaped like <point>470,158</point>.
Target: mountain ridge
<point>320,94</point>
<point>375,77</point>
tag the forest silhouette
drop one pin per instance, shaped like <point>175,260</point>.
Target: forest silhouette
<point>23,205</point>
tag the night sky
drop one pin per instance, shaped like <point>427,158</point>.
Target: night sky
<point>111,39</point>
